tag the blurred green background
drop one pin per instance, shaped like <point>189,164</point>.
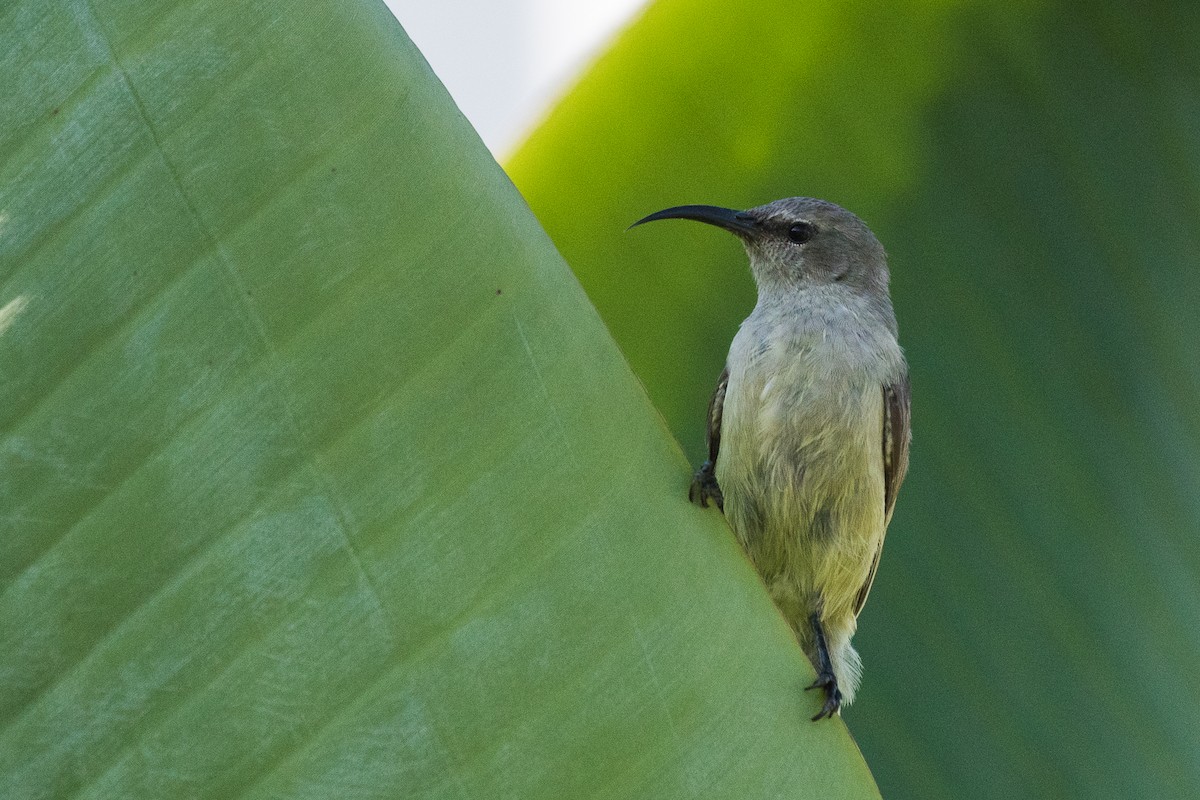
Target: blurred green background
<point>1034,170</point>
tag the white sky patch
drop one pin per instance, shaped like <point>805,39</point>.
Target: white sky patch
<point>506,63</point>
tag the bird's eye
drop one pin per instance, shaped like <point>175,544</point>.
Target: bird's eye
<point>801,232</point>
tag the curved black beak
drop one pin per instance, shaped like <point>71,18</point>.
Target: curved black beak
<point>738,222</point>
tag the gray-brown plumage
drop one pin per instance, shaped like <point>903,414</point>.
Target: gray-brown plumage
<point>808,429</point>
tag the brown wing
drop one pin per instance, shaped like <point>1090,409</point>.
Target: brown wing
<point>897,433</point>
<point>704,483</point>
<point>716,407</point>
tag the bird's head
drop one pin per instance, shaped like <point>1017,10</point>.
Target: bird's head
<point>798,242</point>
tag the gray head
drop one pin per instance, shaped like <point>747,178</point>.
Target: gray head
<point>799,242</point>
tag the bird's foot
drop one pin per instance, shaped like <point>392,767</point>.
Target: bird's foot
<point>833,695</point>
<point>704,487</point>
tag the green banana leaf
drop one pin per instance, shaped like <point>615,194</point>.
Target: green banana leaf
<point>1034,170</point>
<point>319,474</point>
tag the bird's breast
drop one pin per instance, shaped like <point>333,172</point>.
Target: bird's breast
<point>802,422</point>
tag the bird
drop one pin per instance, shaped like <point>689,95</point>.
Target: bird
<point>808,430</point>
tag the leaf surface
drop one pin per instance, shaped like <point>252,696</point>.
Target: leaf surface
<point>319,475</point>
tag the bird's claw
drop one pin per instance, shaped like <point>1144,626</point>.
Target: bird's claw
<point>833,695</point>
<point>704,487</point>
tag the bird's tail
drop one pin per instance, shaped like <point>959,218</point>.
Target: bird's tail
<point>847,666</point>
